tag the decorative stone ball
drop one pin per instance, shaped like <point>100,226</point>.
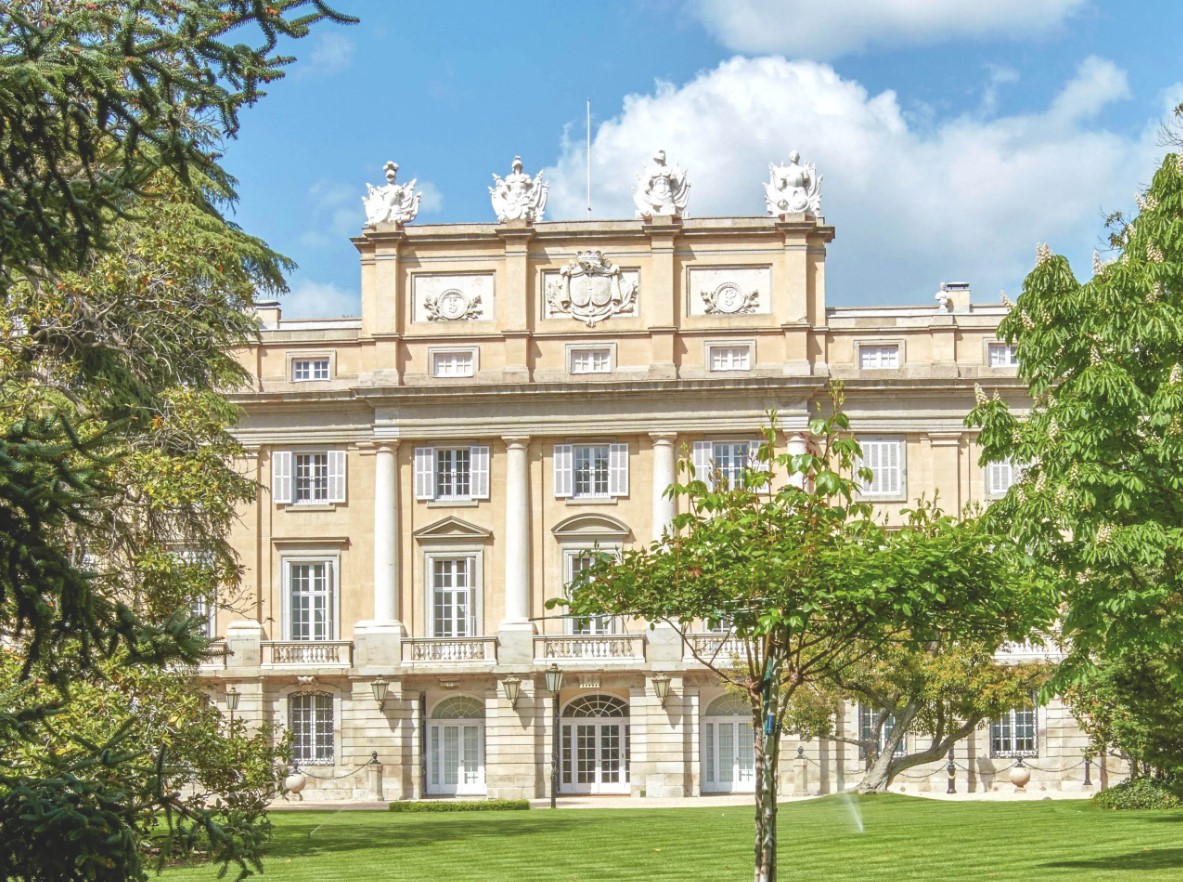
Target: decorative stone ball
<point>1020,775</point>
<point>294,783</point>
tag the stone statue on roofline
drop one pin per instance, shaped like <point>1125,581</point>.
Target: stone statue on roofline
<point>392,202</point>
<point>518,196</point>
<point>661,189</point>
<point>793,188</point>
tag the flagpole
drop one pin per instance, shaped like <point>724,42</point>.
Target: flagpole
<point>589,159</point>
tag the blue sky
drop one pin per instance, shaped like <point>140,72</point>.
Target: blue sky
<point>952,136</point>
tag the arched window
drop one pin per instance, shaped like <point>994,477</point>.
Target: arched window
<point>596,706</point>
<point>729,705</point>
<point>594,745</point>
<point>459,707</point>
<point>456,747</point>
<point>310,720</point>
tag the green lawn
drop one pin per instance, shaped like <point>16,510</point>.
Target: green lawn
<point>903,838</point>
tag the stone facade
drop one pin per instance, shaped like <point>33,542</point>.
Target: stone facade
<point>430,472</point>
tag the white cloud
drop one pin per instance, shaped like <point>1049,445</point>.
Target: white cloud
<point>331,53</point>
<point>311,299</point>
<point>433,199</point>
<point>824,30</point>
<point>963,198</point>
<point>335,212</point>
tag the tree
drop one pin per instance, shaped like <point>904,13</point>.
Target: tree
<point>794,560</point>
<point>123,286</point>
<point>1100,498</point>
<point>936,694</point>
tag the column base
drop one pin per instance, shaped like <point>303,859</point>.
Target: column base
<point>515,643</point>
<point>378,643</point>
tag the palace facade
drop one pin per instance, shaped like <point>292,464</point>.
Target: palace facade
<point>513,395</point>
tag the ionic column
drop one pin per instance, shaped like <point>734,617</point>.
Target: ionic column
<point>664,474</point>
<point>797,446</point>
<point>385,534</point>
<point>517,534</point>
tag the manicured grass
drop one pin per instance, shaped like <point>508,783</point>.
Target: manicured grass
<point>903,838</point>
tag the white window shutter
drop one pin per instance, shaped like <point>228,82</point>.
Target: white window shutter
<point>331,605</point>
<point>425,473</point>
<point>336,476</point>
<point>564,470</point>
<point>479,477</point>
<point>897,468</point>
<point>618,470</point>
<point>281,477</point>
<point>704,452</point>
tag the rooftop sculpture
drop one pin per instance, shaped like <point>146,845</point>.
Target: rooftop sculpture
<point>518,196</point>
<point>793,188</point>
<point>661,189</point>
<point>391,203</point>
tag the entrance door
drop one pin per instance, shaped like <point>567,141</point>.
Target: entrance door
<point>728,747</point>
<point>456,748</point>
<point>594,746</point>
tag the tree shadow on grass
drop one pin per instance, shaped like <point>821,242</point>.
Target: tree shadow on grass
<point>320,835</point>
<point>1137,861</point>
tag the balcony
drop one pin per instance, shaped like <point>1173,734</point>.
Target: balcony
<point>718,649</point>
<point>597,648</point>
<point>1030,651</point>
<point>424,651</point>
<point>307,653</point>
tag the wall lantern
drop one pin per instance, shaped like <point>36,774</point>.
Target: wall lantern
<point>512,687</point>
<point>661,687</point>
<point>232,701</point>
<point>554,678</point>
<point>379,687</point>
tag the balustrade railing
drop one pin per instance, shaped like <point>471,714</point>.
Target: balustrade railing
<point>449,650</point>
<point>715,648</point>
<point>308,653</point>
<point>599,647</point>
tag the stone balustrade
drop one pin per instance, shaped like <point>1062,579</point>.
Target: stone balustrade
<point>311,653</point>
<point>715,648</point>
<point>448,650</point>
<point>598,647</point>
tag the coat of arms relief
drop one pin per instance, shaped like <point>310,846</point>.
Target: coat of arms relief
<point>590,289</point>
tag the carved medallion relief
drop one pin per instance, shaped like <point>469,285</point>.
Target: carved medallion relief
<point>590,289</point>
<point>730,291</point>
<point>453,298</point>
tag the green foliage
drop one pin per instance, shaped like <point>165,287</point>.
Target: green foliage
<point>1100,502</point>
<point>468,805</point>
<point>1139,793</point>
<point>96,98</point>
<point>1131,702</point>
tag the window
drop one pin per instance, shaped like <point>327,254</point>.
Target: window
<point>207,613</point>
<point>730,357</point>
<point>590,360</point>
<point>453,363</point>
<point>306,369</point>
<point>723,460</point>
<point>451,473</point>
<point>576,562</point>
<point>310,720</point>
<point>591,471</point>
<point>885,458</point>
<point>453,601</point>
<point>1002,355</point>
<point>308,477</point>
<point>878,356</point>
<point>866,725</point>
<point>1013,734</point>
<point>311,599</point>
<point>999,477</point>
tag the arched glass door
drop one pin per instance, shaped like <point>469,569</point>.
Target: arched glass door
<point>728,747</point>
<point>595,745</point>
<point>456,747</point>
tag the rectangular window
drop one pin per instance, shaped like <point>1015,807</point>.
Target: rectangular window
<point>312,477</point>
<point>723,460</point>
<point>451,473</point>
<point>1013,734</point>
<point>578,562</point>
<point>310,720</point>
<point>879,356</point>
<point>453,363</point>
<point>207,613</point>
<point>866,724</point>
<point>307,477</point>
<point>885,459</point>
<point>735,357</point>
<point>453,606</point>
<point>311,600</point>
<point>1002,355</point>
<point>591,471</point>
<point>306,369</point>
<point>591,360</point>
<point>999,477</point>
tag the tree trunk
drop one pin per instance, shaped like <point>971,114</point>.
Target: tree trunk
<point>767,764</point>
<point>879,774</point>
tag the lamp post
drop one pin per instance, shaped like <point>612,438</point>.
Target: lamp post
<point>232,703</point>
<point>512,687</point>
<point>554,682</point>
<point>951,771</point>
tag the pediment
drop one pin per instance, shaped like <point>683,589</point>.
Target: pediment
<point>451,528</point>
<point>592,526</point>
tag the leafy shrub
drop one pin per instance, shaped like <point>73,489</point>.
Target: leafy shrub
<point>472,805</point>
<point>1139,793</point>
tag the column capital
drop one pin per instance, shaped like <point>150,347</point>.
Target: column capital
<point>663,437</point>
<point>369,448</point>
<point>516,440</point>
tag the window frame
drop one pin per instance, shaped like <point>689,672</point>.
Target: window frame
<point>862,346</point>
<point>572,349</point>
<point>317,733</point>
<point>705,467</point>
<point>993,346</point>
<point>1011,720</point>
<point>901,441</point>
<point>283,476</point>
<point>475,589</point>
<point>866,719</point>
<point>564,471</point>
<point>988,476</point>
<point>571,553</point>
<point>332,560</point>
<point>330,356</point>
<point>427,481</point>
<point>710,346</point>
<point>435,352</point>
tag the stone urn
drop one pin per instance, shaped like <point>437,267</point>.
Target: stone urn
<point>1020,775</point>
<point>295,783</point>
